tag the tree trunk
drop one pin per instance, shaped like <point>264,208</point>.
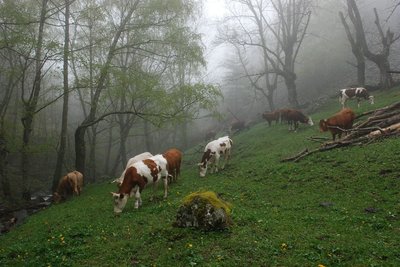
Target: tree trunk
<point>27,122</point>
<point>185,134</point>
<point>30,106</point>
<point>108,151</point>
<point>91,172</point>
<point>80,149</point>
<point>64,121</point>
<point>270,99</point>
<point>361,71</point>
<point>385,78</point>
<point>291,88</point>
<point>147,136</point>
<point>116,164</point>
<point>5,182</point>
<point>356,48</point>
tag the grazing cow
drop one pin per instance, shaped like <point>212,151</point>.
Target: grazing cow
<point>271,116</point>
<point>70,184</point>
<point>343,120</point>
<point>210,135</point>
<point>358,93</point>
<point>174,159</point>
<point>238,126</point>
<point>142,156</point>
<point>293,118</point>
<point>213,152</point>
<point>283,114</point>
<point>137,177</point>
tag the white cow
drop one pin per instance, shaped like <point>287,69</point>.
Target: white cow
<point>358,93</point>
<point>212,154</point>
<point>144,155</point>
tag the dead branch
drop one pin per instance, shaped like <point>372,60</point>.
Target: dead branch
<point>318,139</point>
<point>304,151</point>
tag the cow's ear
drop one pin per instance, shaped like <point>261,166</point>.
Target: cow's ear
<point>199,164</point>
<point>114,194</point>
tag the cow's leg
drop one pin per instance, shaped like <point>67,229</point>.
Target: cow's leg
<point>76,192</point>
<point>165,187</point>
<point>216,162</point>
<point>295,126</point>
<point>224,161</point>
<point>138,198</point>
<point>155,187</point>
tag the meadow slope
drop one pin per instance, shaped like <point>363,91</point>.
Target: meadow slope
<point>336,208</point>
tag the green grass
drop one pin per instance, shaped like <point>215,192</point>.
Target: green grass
<point>277,212</point>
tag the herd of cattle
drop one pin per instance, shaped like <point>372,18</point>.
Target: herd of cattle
<point>147,169</point>
<point>336,124</point>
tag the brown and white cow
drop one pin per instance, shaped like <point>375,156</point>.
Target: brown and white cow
<point>137,177</point>
<point>70,184</point>
<point>293,117</point>
<point>341,120</point>
<point>357,93</point>
<point>174,160</point>
<point>139,157</point>
<point>237,126</point>
<point>212,153</point>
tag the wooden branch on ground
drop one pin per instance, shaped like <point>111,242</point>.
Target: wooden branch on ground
<point>304,151</point>
<point>318,139</point>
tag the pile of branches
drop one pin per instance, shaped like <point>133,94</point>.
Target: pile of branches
<point>382,123</point>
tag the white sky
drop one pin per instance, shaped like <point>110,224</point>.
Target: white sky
<point>214,10</point>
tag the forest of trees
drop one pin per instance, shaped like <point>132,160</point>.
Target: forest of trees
<point>88,84</point>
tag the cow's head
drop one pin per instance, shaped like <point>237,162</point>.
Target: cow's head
<point>310,122</point>
<point>371,99</point>
<point>323,127</point>
<point>120,200</point>
<point>202,168</point>
<point>56,197</point>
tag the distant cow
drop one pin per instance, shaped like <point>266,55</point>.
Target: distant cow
<point>271,116</point>
<point>142,156</point>
<point>341,120</point>
<point>137,177</point>
<point>358,93</point>
<point>70,184</point>
<point>212,154</point>
<point>210,135</point>
<point>174,160</point>
<point>283,114</point>
<point>238,126</point>
<point>293,117</point>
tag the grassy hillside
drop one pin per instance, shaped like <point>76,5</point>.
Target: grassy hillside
<point>336,208</point>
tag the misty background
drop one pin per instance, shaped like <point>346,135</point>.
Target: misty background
<point>89,84</point>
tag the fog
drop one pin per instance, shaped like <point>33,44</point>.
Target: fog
<point>174,71</point>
